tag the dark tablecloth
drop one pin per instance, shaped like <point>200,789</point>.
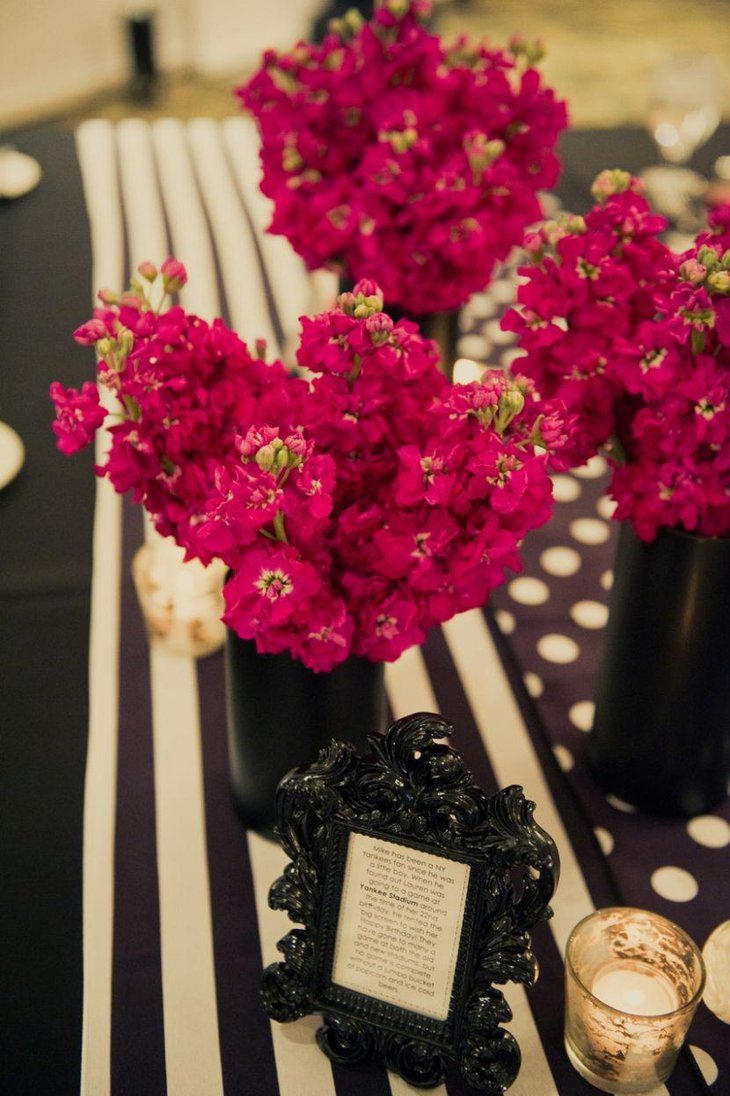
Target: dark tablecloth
<point>144,897</point>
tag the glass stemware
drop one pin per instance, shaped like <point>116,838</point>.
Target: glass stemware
<point>683,111</point>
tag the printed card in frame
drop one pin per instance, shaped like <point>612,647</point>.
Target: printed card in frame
<point>416,892</point>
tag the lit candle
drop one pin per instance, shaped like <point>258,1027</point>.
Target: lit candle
<point>633,982</point>
<point>635,988</point>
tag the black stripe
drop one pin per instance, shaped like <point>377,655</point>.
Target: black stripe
<point>247,1055</point>
<point>138,1039</point>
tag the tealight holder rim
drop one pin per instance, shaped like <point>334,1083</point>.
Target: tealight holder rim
<point>638,1016</point>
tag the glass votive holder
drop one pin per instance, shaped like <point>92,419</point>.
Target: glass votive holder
<point>633,983</point>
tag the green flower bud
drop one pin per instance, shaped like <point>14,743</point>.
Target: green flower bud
<point>265,458</point>
<point>610,182</point>
<point>719,281</point>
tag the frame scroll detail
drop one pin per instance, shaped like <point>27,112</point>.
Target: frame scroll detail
<point>415,792</point>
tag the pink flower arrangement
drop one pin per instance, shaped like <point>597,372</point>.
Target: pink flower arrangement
<point>392,156</point>
<point>636,341</point>
<point>355,509</point>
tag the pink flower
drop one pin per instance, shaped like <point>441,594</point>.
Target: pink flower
<point>635,341</point>
<point>78,415</point>
<point>90,332</point>
<point>355,509</point>
<point>403,160</point>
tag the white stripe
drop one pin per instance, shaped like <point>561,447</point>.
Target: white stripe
<point>409,686</point>
<point>290,283</point>
<point>192,1051</point>
<point>146,233</point>
<point>410,690</point>
<point>301,1066</point>
<point>95,150</point>
<point>233,237</point>
<point>192,1055</point>
<point>191,242</point>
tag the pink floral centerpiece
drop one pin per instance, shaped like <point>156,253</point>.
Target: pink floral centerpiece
<point>391,155</point>
<point>355,509</point>
<point>636,340</point>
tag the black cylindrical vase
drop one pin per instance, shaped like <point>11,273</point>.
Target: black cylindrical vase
<point>281,714</point>
<point>661,733</point>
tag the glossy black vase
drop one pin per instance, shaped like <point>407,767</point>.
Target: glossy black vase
<point>281,714</point>
<point>661,733</point>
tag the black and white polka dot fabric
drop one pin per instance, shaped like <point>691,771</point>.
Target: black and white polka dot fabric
<point>549,621</point>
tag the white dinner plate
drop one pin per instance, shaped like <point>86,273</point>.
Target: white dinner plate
<point>12,454</point>
<point>19,173</point>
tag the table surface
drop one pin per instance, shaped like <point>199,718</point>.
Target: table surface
<point>135,921</point>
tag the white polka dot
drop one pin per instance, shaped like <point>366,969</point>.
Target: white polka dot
<point>505,621</point>
<point>558,648</point>
<point>604,839</point>
<point>560,561</point>
<point>710,831</point>
<point>512,355</point>
<point>589,531</point>
<point>504,290</point>
<point>528,591</point>
<point>716,954</point>
<point>595,467</point>
<point>605,507</point>
<point>620,804</point>
<point>473,346</point>
<point>581,714</point>
<point>674,884</point>
<point>499,337</point>
<point>533,684</point>
<point>606,580</point>
<point>564,757</point>
<point>565,489</point>
<point>707,1064</point>
<point>482,305</point>
<point>467,370</point>
<point>589,614</point>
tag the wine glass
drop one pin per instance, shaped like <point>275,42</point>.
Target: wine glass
<point>683,111</point>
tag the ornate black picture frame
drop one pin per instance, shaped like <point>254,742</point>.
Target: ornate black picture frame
<point>411,802</point>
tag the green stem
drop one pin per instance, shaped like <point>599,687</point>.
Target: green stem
<point>279,529</point>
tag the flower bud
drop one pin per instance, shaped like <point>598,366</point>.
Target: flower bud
<point>511,402</point>
<point>719,281</point>
<point>148,270</point>
<point>347,302</point>
<point>260,349</point>
<point>693,272</point>
<point>90,332</point>
<point>125,341</point>
<point>108,296</point>
<point>131,300</point>
<point>265,458</point>
<point>367,287</point>
<point>103,347</point>
<point>379,327</point>
<point>291,161</point>
<point>608,183</point>
<point>709,257</point>
<point>174,275</point>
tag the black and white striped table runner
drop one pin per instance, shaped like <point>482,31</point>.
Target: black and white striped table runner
<point>176,926</point>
